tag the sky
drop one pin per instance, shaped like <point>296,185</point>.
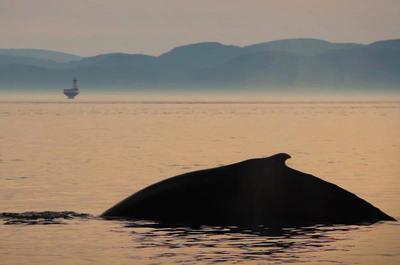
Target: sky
<point>89,27</point>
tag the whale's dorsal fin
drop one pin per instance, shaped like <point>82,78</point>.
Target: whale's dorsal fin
<point>280,158</point>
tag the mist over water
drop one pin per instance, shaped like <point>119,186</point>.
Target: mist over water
<point>80,157</point>
<point>55,95</point>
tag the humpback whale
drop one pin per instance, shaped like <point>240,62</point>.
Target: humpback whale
<point>261,191</point>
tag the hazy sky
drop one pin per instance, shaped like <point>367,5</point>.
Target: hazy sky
<point>89,27</point>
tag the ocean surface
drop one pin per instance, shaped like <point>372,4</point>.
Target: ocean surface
<point>83,157</point>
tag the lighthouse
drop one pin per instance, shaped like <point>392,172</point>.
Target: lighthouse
<point>71,93</point>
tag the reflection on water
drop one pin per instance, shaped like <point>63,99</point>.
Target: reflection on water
<point>211,244</point>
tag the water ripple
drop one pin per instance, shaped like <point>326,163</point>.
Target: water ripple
<point>42,218</point>
<point>215,244</point>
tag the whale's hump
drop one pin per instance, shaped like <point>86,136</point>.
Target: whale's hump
<point>261,191</point>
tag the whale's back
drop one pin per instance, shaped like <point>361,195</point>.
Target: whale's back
<point>257,191</point>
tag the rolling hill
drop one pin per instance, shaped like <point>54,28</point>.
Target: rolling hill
<point>278,65</point>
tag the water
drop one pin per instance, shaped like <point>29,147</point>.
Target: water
<point>85,156</point>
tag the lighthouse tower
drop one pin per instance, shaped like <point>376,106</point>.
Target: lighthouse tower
<point>71,93</point>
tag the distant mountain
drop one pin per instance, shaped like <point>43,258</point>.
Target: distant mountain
<point>6,59</point>
<point>28,76</point>
<point>365,67</point>
<point>116,69</point>
<point>269,68</point>
<point>199,55</point>
<point>388,44</point>
<point>296,64</point>
<point>376,65</point>
<point>42,54</point>
<point>305,47</point>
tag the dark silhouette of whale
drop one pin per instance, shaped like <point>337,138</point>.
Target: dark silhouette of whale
<point>261,191</point>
